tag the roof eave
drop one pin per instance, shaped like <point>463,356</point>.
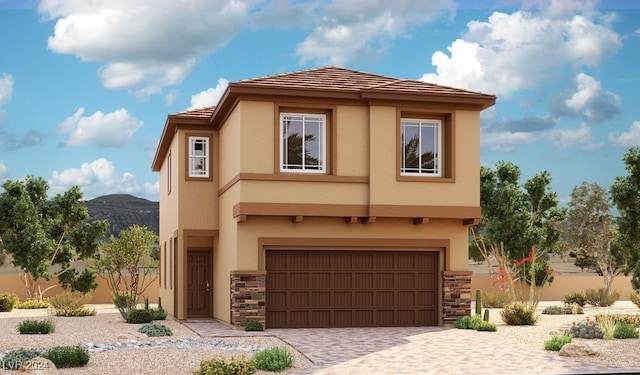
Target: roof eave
<point>173,121</point>
<point>483,101</point>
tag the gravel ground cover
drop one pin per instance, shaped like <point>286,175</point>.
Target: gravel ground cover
<point>117,347</point>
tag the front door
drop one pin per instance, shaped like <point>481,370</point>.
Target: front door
<point>198,283</point>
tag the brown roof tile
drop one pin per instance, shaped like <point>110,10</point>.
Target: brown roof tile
<point>195,113</point>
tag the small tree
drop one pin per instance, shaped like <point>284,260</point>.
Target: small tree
<point>126,262</point>
<point>43,238</point>
<point>588,233</point>
<point>625,192</point>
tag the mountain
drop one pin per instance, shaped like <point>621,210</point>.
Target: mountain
<point>123,210</point>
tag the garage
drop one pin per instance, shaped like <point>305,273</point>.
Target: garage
<point>351,288</point>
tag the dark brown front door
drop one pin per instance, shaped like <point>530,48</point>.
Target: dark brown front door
<point>198,283</point>
<point>339,288</point>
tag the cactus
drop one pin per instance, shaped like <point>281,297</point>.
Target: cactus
<point>160,304</point>
<point>586,329</point>
<point>146,303</point>
<point>478,302</point>
<point>486,315</point>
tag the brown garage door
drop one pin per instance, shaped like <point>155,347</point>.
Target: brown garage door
<point>336,288</point>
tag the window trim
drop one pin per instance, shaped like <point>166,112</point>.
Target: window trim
<point>209,146</point>
<point>423,123</point>
<point>330,149</point>
<point>447,144</point>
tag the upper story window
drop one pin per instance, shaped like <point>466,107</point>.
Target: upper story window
<point>198,156</point>
<point>303,142</point>
<point>421,147</point>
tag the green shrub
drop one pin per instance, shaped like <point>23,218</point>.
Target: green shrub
<point>254,325</point>
<point>218,366</point>
<point>554,310</point>
<point>486,326</point>
<point>158,314</point>
<point>519,314</point>
<point>556,342</point>
<point>575,297</point>
<point>635,298</point>
<point>495,300</point>
<point>600,297</point>
<point>625,331</point>
<point>273,359</point>
<point>586,329</point>
<point>33,303</point>
<point>155,330</point>
<point>468,322</point>
<point>36,327</point>
<point>634,320</point>
<point>8,301</point>
<point>68,356</point>
<point>13,359</point>
<point>139,317</point>
<point>83,311</point>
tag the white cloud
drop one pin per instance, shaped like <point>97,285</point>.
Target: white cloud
<point>362,29</point>
<point>630,138</point>
<point>587,99</point>
<point>6,88</point>
<point>209,97</point>
<point>580,138</point>
<point>146,44</point>
<point>505,141</point>
<point>522,50</point>
<point>103,130</point>
<point>4,171</point>
<point>96,178</point>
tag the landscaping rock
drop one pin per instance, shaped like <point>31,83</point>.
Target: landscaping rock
<point>38,366</point>
<point>577,350</point>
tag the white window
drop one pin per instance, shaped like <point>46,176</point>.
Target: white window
<point>302,143</point>
<point>198,157</point>
<point>421,147</point>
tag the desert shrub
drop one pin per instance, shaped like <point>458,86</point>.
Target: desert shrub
<point>254,325</point>
<point>155,330</point>
<point>71,304</point>
<point>600,297</point>
<point>219,366</point>
<point>495,300</point>
<point>556,342</point>
<point>68,356</point>
<point>608,324</point>
<point>36,327</point>
<point>519,314</point>
<point>158,314</point>
<point>273,359</point>
<point>8,301</point>
<point>635,298</point>
<point>574,308</point>
<point>468,322</point>
<point>13,359</point>
<point>575,297</point>
<point>139,317</point>
<point>486,327</point>
<point>554,310</point>
<point>586,329</point>
<point>625,331</point>
<point>621,318</point>
<point>33,303</point>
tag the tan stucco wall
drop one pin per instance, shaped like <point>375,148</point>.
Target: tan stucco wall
<point>12,283</point>
<point>562,285</point>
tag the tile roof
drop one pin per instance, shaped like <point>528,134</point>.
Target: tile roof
<point>196,113</point>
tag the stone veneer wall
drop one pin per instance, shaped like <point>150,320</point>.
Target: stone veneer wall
<point>456,295</point>
<point>247,297</point>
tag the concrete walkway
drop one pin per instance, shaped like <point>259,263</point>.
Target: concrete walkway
<point>423,350</point>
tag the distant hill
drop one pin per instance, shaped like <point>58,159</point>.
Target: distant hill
<point>123,210</point>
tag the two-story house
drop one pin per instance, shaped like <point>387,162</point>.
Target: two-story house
<point>321,198</point>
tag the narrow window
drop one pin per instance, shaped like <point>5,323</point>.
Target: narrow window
<point>421,147</point>
<point>169,173</point>
<point>198,157</point>
<point>303,145</point>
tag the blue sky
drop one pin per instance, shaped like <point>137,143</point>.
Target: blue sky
<point>86,85</point>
